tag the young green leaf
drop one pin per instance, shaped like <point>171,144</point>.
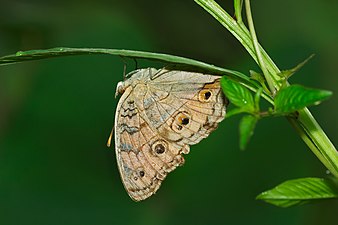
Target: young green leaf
<point>257,76</point>
<point>286,74</point>
<point>260,79</point>
<point>295,97</point>
<point>246,130</point>
<point>300,191</point>
<point>238,95</point>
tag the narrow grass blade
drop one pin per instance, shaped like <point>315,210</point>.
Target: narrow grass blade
<point>171,61</point>
<point>22,56</point>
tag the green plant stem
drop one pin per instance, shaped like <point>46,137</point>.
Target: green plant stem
<point>323,147</point>
<point>305,125</point>
<point>260,60</point>
<point>238,10</point>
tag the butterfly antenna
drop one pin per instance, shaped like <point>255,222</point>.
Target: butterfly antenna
<point>110,138</point>
<point>124,67</point>
<point>124,71</point>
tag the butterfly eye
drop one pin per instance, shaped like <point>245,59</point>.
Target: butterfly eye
<point>159,147</point>
<point>204,95</point>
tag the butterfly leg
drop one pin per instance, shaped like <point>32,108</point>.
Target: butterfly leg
<point>110,137</point>
<point>156,74</point>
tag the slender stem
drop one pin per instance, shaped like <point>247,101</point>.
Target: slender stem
<point>261,62</point>
<point>238,10</point>
<point>324,147</point>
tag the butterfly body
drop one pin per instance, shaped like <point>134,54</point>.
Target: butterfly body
<point>159,115</point>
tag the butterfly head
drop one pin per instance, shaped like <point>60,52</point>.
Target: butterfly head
<point>134,77</point>
<point>120,88</point>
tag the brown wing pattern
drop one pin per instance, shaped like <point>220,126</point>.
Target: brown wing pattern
<point>155,125</point>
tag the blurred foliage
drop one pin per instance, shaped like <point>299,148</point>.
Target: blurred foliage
<point>56,115</point>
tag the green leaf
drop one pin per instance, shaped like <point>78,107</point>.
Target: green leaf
<point>286,74</point>
<point>238,95</point>
<point>295,97</point>
<point>246,130</point>
<point>300,191</point>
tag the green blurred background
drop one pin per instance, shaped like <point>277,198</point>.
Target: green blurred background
<point>56,114</point>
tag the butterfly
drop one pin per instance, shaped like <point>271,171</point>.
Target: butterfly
<point>159,115</point>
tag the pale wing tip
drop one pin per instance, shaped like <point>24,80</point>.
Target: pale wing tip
<point>140,195</point>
